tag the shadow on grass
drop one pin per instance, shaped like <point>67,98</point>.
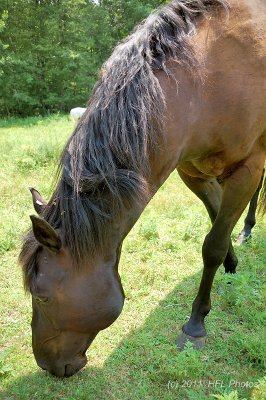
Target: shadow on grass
<point>147,365</point>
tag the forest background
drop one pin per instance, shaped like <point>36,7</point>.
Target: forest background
<point>51,51</point>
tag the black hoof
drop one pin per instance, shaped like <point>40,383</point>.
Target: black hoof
<point>230,264</point>
<point>230,271</point>
<point>197,342</point>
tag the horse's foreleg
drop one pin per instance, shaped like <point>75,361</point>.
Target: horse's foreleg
<point>250,219</point>
<point>237,192</point>
<point>210,193</point>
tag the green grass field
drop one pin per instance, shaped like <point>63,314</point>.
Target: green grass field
<point>161,264</point>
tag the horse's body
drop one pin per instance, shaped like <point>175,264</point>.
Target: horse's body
<point>205,145</point>
<point>186,91</point>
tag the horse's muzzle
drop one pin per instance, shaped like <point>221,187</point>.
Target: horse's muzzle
<point>65,370</point>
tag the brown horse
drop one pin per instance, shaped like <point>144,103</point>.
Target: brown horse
<point>186,90</point>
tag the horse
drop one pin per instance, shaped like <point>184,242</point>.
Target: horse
<point>186,91</point>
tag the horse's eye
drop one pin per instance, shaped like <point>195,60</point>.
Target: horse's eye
<point>41,299</point>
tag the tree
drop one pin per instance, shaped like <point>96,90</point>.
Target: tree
<point>50,57</point>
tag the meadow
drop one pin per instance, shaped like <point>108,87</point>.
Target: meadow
<point>136,358</point>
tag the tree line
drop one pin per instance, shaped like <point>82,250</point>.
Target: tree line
<point>51,50</point>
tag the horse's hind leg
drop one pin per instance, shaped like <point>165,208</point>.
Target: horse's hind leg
<point>250,219</point>
<point>237,192</point>
<point>210,193</point>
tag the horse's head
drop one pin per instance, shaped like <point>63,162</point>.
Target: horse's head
<point>70,303</point>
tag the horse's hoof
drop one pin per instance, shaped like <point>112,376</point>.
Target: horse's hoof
<point>197,342</point>
<point>230,263</point>
<point>230,271</point>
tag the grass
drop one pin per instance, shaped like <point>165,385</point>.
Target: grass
<point>136,357</point>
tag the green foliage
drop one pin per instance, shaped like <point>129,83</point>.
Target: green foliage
<point>260,390</point>
<point>5,367</point>
<point>149,231</point>
<point>38,156</point>
<point>51,56</point>
<point>231,396</point>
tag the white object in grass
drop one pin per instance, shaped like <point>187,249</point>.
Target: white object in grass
<point>76,113</point>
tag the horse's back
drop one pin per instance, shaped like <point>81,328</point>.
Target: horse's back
<point>236,77</point>
<point>248,25</point>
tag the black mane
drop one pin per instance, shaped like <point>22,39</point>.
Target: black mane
<point>105,164</point>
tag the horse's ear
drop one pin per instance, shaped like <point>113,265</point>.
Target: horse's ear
<point>45,234</point>
<point>39,203</point>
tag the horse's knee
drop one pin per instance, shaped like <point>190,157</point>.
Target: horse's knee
<point>214,252</point>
